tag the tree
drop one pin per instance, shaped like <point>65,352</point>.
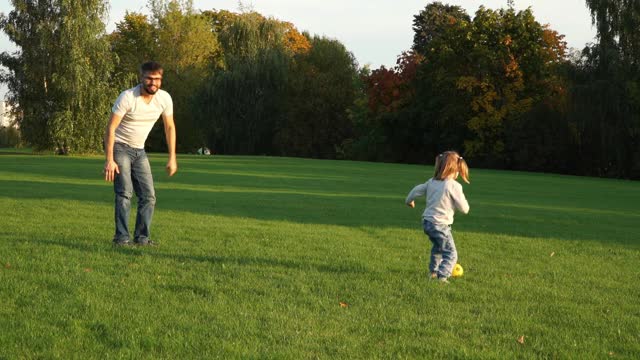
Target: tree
<point>436,25</point>
<point>135,42</point>
<point>59,79</point>
<point>605,93</point>
<point>295,42</point>
<point>387,133</point>
<point>186,45</point>
<point>505,84</point>
<point>440,110</point>
<point>189,52</point>
<point>617,24</point>
<point>31,27</point>
<point>240,105</point>
<point>481,76</point>
<point>320,92</point>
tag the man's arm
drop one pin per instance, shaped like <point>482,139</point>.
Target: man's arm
<point>170,135</point>
<point>110,166</point>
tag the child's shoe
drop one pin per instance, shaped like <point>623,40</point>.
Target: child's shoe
<point>443,280</point>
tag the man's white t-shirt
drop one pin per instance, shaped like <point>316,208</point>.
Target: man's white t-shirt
<point>138,117</point>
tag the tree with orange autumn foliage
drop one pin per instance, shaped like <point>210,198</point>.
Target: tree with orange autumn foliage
<point>390,89</point>
<point>488,73</point>
<point>388,93</point>
<point>294,41</point>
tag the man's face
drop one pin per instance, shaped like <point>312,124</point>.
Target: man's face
<point>151,81</point>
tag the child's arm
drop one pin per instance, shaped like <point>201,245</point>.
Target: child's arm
<point>416,192</point>
<point>459,200</point>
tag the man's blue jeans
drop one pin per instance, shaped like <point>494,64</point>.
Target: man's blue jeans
<point>135,175</point>
<point>443,252</point>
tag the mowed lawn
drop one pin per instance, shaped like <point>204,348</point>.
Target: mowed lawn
<point>265,257</point>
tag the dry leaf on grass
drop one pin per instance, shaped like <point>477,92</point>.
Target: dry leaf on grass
<point>87,270</point>
<point>552,253</point>
<point>343,304</point>
<point>521,340</point>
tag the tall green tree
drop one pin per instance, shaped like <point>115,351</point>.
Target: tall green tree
<point>31,27</point>
<point>605,97</point>
<point>241,104</point>
<point>617,24</point>
<point>189,52</point>
<point>440,110</point>
<point>437,25</point>
<point>59,78</point>
<point>320,92</point>
<point>134,41</point>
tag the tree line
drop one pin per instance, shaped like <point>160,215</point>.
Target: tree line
<point>499,87</point>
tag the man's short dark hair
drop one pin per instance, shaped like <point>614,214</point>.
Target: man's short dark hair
<point>151,66</point>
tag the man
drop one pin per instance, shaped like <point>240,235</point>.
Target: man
<point>133,115</point>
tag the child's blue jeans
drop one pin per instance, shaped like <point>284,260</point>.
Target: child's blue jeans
<point>443,253</point>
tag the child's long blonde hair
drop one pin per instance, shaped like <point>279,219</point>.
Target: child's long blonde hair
<point>450,163</point>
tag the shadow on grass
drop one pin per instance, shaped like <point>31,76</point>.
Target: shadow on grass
<point>288,174</point>
<point>356,210</point>
<point>343,267</point>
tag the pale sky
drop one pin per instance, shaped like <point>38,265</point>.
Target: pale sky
<point>375,31</point>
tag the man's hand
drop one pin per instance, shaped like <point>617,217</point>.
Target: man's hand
<point>412,204</point>
<point>110,170</point>
<point>172,167</point>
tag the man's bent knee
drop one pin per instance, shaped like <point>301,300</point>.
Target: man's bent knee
<point>148,199</point>
<point>125,194</point>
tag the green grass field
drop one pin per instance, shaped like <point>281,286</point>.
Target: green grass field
<point>257,254</point>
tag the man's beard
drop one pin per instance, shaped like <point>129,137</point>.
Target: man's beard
<point>149,91</point>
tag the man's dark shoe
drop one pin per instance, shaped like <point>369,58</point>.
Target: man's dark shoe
<point>145,243</point>
<point>121,243</point>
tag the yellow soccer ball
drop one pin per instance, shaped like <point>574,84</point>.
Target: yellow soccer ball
<point>457,271</point>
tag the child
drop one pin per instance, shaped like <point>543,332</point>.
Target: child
<point>444,195</point>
